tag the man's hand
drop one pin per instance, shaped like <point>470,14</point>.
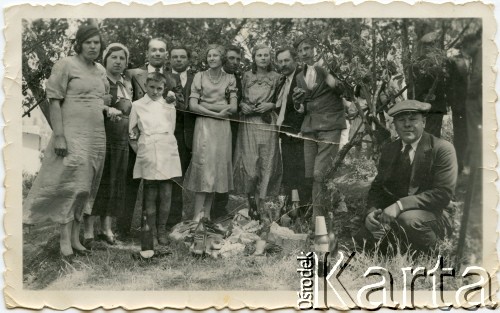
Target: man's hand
<point>390,213</point>
<point>298,95</point>
<point>373,225</point>
<point>371,222</point>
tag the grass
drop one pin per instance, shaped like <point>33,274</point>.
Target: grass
<point>115,269</point>
<point>112,267</point>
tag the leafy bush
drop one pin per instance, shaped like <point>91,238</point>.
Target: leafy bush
<point>28,180</point>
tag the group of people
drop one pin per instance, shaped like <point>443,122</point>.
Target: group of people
<point>212,132</point>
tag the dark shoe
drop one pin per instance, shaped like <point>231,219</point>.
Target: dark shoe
<point>81,252</point>
<point>88,243</point>
<point>109,240</point>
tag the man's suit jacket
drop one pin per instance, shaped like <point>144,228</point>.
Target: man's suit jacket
<point>239,93</point>
<point>188,118</point>
<point>293,119</point>
<point>433,178</point>
<point>323,105</point>
<point>138,78</point>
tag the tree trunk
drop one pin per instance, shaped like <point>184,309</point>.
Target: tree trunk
<point>374,60</point>
<point>406,59</point>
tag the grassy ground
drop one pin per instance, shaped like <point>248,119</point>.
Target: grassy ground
<point>112,267</point>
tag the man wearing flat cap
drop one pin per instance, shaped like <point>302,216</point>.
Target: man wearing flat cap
<point>416,180</point>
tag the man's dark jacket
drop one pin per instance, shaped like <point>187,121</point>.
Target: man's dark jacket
<point>293,119</point>
<point>187,119</point>
<point>433,178</point>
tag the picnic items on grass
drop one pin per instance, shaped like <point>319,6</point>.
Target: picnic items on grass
<point>243,236</point>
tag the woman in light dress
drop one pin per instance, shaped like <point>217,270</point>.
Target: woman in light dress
<point>67,183</point>
<point>257,161</point>
<point>213,97</point>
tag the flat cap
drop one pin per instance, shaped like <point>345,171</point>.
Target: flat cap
<point>409,106</point>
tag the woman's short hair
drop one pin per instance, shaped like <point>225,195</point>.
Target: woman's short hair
<point>219,48</point>
<point>254,52</point>
<point>85,32</point>
<point>113,48</point>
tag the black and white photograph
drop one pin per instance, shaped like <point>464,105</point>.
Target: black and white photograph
<point>214,153</point>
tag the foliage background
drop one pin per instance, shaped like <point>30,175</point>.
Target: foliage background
<point>358,51</point>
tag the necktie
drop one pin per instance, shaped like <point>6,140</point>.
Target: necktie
<point>157,69</point>
<point>406,156</point>
<point>405,170</point>
<point>282,98</point>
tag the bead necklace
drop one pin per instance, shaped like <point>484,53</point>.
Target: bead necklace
<point>260,78</point>
<point>216,81</point>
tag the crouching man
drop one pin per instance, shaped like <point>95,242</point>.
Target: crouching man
<point>415,182</point>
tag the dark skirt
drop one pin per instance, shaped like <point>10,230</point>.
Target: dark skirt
<point>110,199</point>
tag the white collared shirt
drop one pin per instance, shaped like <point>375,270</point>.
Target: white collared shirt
<point>152,69</point>
<point>310,77</point>
<point>283,98</point>
<point>152,116</point>
<point>286,90</point>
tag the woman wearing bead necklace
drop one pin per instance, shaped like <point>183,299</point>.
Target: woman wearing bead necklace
<point>257,160</point>
<point>213,97</point>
